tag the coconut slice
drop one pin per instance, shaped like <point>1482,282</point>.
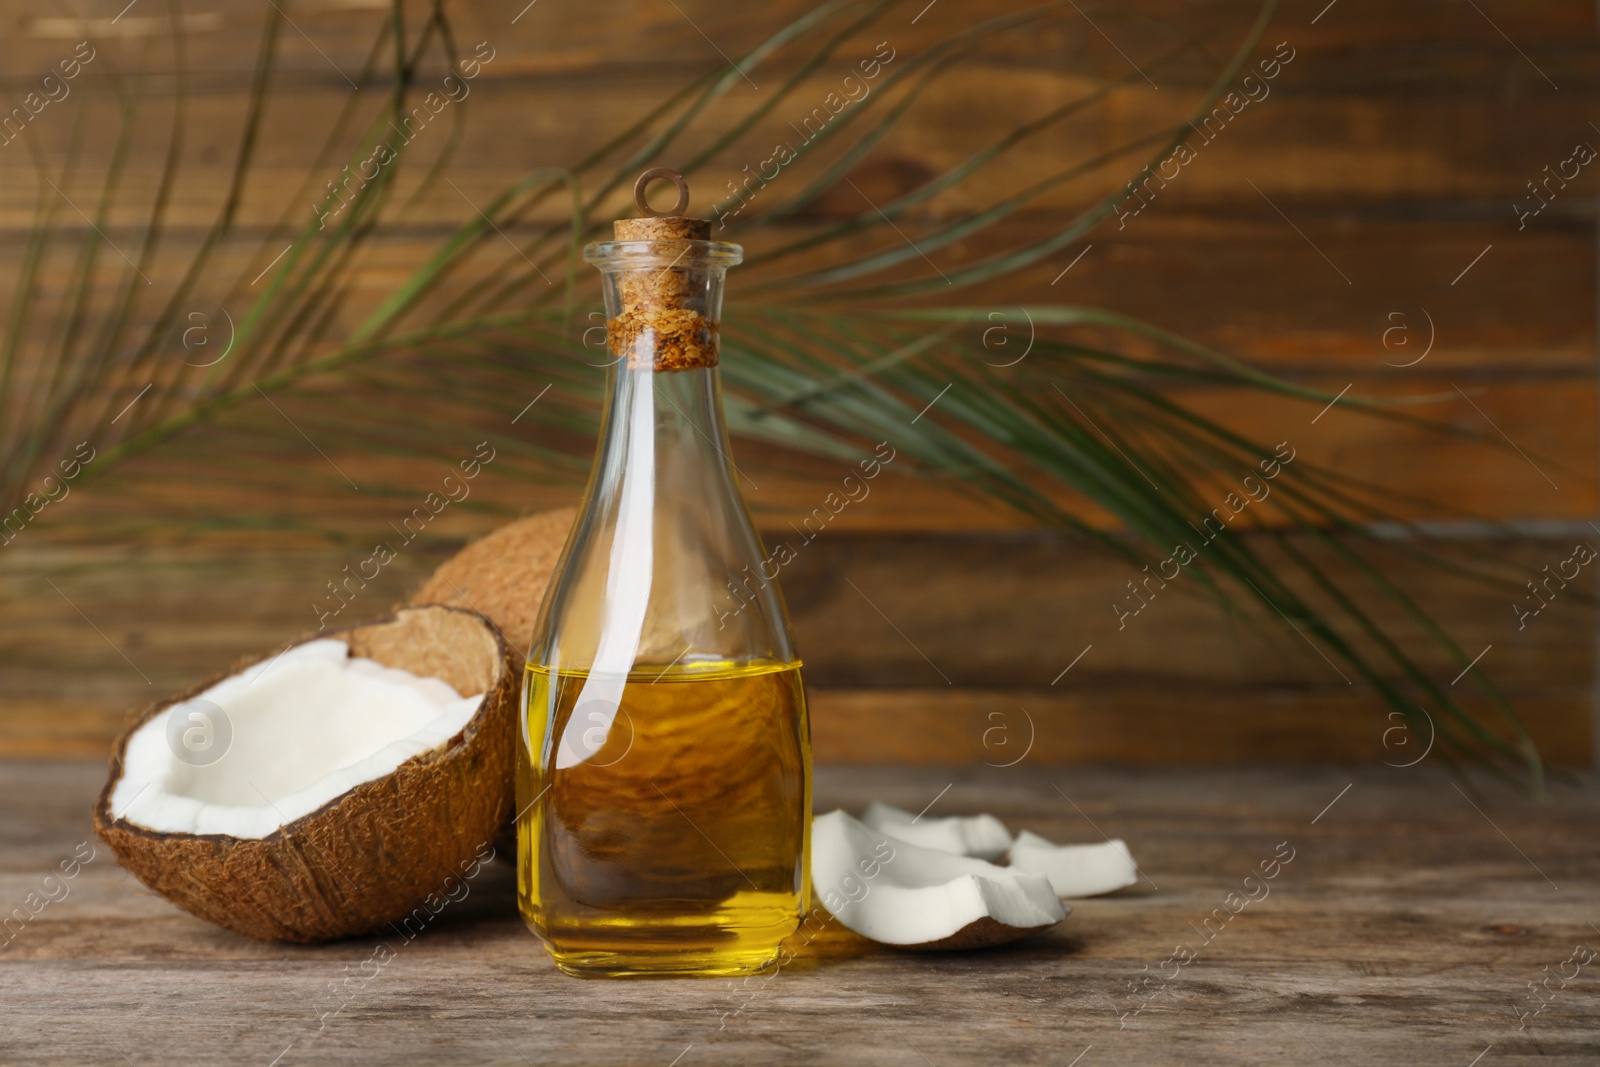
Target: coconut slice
<point>983,836</point>
<point>1076,870</point>
<point>898,893</point>
<point>326,791</point>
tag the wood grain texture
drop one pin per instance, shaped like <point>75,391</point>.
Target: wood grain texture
<point>1151,725</point>
<point>930,649</point>
<point>1406,927</point>
<point>1384,164</point>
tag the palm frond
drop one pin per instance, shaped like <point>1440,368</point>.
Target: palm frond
<point>838,338</point>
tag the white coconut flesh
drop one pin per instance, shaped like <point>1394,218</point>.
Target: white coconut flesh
<point>983,836</point>
<point>899,893</point>
<point>1076,870</point>
<point>305,728</point>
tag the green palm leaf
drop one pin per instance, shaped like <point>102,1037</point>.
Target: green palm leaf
<point>819,359</point>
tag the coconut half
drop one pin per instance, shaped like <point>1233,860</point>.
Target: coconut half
<point>1076,870</point>
<point>983,836</point>
<point>898,893</point>
<point>328,790</point>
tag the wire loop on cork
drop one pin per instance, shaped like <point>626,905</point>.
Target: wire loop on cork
<point>670,175</point>
<point>651,226</point>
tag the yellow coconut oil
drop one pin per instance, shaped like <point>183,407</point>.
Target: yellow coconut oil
<point>676,845</point>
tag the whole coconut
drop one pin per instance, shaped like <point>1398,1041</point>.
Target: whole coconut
<point>503,576</point>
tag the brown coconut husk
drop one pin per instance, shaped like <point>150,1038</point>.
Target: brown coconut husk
<point>980,933</point>
<point>375,855</point>
<point>504,575</point>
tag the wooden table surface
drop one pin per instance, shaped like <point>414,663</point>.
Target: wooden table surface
<point>1410,927</point>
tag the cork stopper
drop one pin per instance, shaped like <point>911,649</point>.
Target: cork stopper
<point>662,228</point>
<point>662,315</point>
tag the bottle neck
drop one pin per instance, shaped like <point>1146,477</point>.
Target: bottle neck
<point>664,423</point>
<point>664,566</point>
<point>664,430</point>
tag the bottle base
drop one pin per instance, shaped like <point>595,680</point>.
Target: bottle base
<point>675,965</point>
<point>743,935</point>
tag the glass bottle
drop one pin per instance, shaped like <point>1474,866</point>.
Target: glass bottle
<point>664,780</point>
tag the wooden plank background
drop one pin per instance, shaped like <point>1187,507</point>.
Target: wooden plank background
<point>1382,167</point>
